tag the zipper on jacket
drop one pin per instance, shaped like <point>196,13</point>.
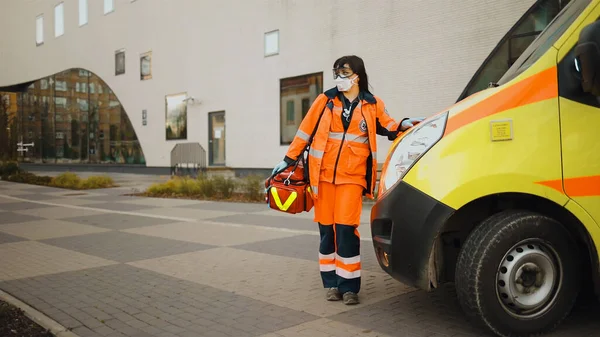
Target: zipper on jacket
<point>343,139</point>
<point>338,157</point>
<point>368,179</point>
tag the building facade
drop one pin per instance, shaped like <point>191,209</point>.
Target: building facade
<point>101,82</point>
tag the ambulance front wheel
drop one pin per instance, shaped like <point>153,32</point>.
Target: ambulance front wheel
<point>518,273</point>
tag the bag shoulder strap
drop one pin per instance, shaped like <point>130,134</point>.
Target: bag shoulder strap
<point>317,125</point>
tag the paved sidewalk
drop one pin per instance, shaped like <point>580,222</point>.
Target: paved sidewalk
<point>108,265</point>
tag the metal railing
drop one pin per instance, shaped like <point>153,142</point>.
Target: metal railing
<point>188,159</point>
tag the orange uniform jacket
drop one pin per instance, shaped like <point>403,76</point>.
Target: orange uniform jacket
<point>341,157</point>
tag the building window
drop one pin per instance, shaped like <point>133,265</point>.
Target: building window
<point>176,116</point>
<point>146,66</point>
<point>109,6</point>
<point>39,30</point>
<point>120,62</point>
<point>272,43</point>
<point>296,91</point>
<point>83,12</point>
<point>305,106</point>
<point>59,20</point>
<point>71,127</point>
<point>290,115</point>
<point>513,44</point>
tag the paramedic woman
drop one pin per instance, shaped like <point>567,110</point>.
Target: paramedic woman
<point>344,147</point>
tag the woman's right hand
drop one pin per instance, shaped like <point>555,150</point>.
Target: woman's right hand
<point>279,167</point>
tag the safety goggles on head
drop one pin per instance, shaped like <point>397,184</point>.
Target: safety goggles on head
<point>343,72</point>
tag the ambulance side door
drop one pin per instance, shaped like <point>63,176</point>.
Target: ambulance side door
<point>580,128</point>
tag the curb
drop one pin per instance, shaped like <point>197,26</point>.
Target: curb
<point>38,317</point>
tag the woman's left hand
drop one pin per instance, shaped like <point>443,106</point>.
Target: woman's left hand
<point>410,122</point>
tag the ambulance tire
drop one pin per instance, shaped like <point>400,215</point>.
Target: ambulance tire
<point>517,242</point>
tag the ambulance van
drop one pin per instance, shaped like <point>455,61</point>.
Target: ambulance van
<point>500,193</point>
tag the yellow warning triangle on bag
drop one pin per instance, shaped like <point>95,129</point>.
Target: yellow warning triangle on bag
<point>288,202</point>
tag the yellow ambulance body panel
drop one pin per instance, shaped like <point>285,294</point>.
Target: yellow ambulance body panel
<point>500,193</point>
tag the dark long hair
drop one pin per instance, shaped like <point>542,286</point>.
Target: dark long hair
<point>358,67</point>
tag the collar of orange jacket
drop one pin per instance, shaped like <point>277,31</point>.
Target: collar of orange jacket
<point>367,96</point>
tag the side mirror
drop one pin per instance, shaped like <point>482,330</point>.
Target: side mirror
<point>587,58</point>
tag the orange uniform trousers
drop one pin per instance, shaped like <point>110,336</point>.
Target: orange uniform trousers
<point>337,210</point>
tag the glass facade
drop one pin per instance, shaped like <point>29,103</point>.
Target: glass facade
<point>72,117</point>
<point>514,44</point>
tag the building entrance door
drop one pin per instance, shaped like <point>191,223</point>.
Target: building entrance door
<point>216,138</point>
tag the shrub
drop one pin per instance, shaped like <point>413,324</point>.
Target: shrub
<point>187,186</point>
<point>27,178</point>
<point>176,186</point>
<point>9,168</point>
<point>159,189</point>
<point>207,186</point>
<point>224,186</point>
<point>250,188</point>
<point>97,182</point>
<point>43,180</point>
<point>253,187</point>
<point>67,180</point>
<point>22,177</point>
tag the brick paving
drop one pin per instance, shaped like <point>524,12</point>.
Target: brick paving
<point>104,264</point>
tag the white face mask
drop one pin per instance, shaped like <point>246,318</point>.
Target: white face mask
<point>344,84</point>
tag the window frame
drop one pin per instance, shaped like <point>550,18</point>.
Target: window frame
<point>265,39</point>
<point>37,30</point>
<point>283,125</point>
<point>60,6</point>
<point>118,53</point>
<point>79,15</point>
<point>112,9</point>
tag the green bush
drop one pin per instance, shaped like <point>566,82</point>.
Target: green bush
<point>96,182</point>
<point>67,180</point>
<point>208,187</point>
<point>224,186</point>
<point>177,186</point>
<point>253,187</point>
<point>43,180</point>
<point>28,178</point>
<point>159,189</point>
<point>9,168</point>
<point>216,187</point>
<point>188,186</point>
<point>22,177</point>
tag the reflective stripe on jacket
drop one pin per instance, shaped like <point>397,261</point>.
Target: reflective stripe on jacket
<point>356,148</point>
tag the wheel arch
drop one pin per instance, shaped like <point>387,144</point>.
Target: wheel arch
<point>451,236</point>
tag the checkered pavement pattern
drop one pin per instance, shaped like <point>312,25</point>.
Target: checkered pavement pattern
<point>105,264</point>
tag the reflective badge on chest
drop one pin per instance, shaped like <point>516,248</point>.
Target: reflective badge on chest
<point>363,126</point>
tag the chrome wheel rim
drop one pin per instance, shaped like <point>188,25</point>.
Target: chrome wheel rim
<point>528,279</point>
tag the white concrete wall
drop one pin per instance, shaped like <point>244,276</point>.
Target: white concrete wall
<point>419,56</point>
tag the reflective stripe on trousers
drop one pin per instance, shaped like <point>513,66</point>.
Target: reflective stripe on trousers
<point>339,257</point>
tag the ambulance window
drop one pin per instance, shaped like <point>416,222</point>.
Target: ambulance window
<point>546,39</point>
<point>514,44</point>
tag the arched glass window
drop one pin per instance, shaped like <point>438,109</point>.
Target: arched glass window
<point>70,117</point>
